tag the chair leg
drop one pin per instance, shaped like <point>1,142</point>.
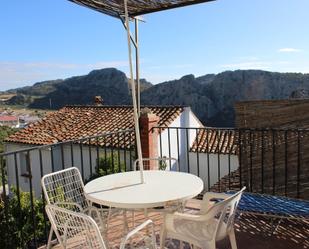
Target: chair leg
<point>274,226</point>
<point>233,239</point>
<point>181,244</point>
<point>153,239</point>
<point>210,245</point>
<point>133,218</point>
<point>162,238</point>
<point>49,238</point>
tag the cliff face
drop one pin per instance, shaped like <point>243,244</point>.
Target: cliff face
<point>212,97</point>
<point>185,91</point>
<point>109,83</point>
<point>230,87</point>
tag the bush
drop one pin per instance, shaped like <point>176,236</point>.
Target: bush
<point>18,231</point>
<point>5,132</point>
<point>108,165</point>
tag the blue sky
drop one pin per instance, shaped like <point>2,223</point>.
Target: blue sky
<point>50,39</point>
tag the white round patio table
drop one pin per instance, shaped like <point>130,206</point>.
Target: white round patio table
<point>125,190</point>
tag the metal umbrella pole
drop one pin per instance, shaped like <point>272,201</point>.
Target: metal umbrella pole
<point>137,68</point>
<point>135,108</point>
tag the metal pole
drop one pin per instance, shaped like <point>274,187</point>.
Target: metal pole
<point>137,68</point>
<point>135,112</point>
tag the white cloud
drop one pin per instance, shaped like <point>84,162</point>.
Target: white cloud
<point>289,50</point>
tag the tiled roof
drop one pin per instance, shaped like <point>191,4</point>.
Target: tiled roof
<point>74,122</point>
<point>212,140</point>
<point>8,118</point>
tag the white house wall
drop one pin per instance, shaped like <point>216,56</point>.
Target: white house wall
<point>216,163</point>
<point>171,145</point>
<point>85,155</point>
<point>24,183</point>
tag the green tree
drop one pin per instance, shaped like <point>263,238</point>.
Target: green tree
<point>5,131</point>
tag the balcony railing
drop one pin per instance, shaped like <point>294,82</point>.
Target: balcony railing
<point>271,161</point>
<point>22,216</point>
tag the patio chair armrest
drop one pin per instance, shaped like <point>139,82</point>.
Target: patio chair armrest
<point>69,205</point>
<point>194,204</point>
<point>209,196</point>
<point>186,216</point>
<point>136,230</point>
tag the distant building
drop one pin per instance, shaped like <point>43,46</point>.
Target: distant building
<point>74,122</point>
<point>11,121</point>
<point>25,120</point>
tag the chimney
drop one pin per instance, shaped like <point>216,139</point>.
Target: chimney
<point>149,137</point>
<point>98,100</point>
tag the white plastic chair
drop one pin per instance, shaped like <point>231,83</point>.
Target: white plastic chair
<point>65,188</point>
<point>78,229</point>
<point>213,223</point>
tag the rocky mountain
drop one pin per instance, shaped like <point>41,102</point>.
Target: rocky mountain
<point>185,91</point>
<point>240,85</point>
<point>111,84</point>
<point>38,89</point>
<point>211,96</point>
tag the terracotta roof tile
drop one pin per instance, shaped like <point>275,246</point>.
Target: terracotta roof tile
<point>6,118</point>
<point>74,122</point>
<point>216,141</point>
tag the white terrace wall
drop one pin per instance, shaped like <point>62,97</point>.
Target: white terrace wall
<point>171,145</point>
<point>78,157</point>
<point>219,165</point>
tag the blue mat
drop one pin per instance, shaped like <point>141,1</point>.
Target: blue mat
<point>273,205</point>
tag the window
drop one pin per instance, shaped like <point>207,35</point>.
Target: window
<point>57,158</point>
<point>24,161</point>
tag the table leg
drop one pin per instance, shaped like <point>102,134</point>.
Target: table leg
<point>125,222</point>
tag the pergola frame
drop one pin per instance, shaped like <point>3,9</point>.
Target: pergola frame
<point>126,11</point>
<point>134,41</point>
<point>136,106</point>
<point>135,8</point>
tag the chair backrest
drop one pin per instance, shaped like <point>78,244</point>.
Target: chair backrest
<point>162,163</point>
<point>76,228</point>
<point>225,211</point>
<point>64,186</point>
